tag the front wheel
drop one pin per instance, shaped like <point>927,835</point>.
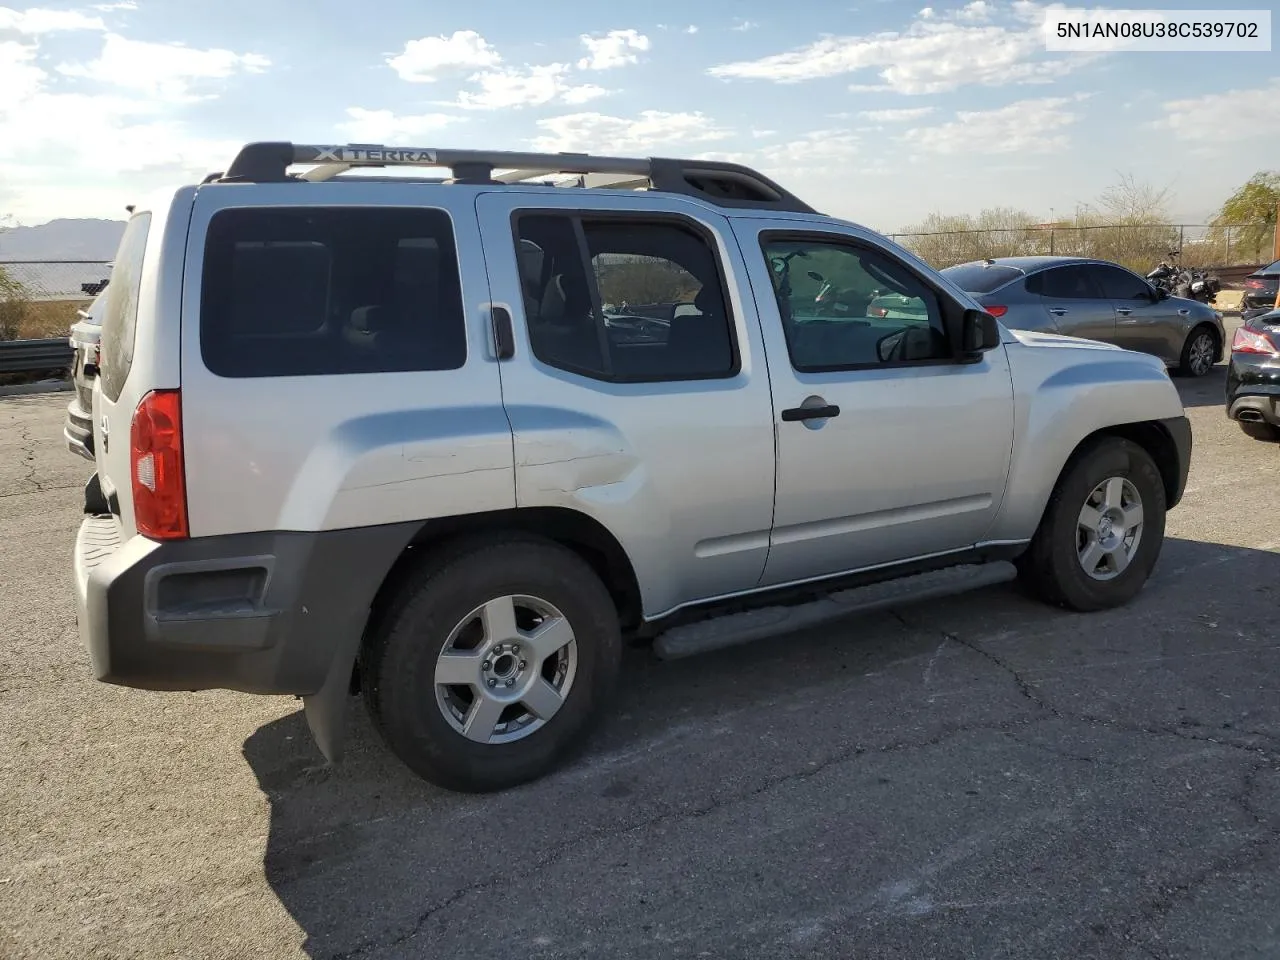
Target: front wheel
<point>492,663</point>
<point>1198,353</point>
<point>1102,530</point>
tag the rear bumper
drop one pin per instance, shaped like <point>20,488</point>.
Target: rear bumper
<point>77,431</point>
<point>269,613</point>
<point>1253,389</point>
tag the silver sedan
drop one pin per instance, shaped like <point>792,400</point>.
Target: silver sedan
<point>1095,300</point>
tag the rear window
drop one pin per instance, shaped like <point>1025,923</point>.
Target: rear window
<point>980,278</point>
<point>120,312</point>
<point>320,291</point>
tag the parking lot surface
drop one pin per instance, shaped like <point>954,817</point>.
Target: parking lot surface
<point>974,777</point>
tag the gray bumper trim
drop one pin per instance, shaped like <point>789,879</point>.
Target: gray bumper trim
<point>269,613</point>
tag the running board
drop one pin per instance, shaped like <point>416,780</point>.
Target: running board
<point>738,628</point>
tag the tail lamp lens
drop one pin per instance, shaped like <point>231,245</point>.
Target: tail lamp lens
<point>155,453</point>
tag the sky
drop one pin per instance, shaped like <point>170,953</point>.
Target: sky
<point>878,111</point>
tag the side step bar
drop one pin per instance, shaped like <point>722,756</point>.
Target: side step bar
<point>738,628</point>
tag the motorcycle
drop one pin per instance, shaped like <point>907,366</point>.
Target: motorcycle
<point>1185,282</point>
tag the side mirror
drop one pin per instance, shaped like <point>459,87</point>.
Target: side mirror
<point>979,332</point>
<point>1162,293</point>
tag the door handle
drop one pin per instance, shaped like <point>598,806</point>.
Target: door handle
<point>1123,311</point>
<point>1058,311</point>
<point>504,339</point>
<point>811,413</point>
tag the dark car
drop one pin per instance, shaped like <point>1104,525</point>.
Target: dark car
<point>1260,291</point>
<point>85,333</point>
<point>1095,300</point>
<point>1253,376</point>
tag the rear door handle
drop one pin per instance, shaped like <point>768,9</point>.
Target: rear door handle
<point>1123,311</point>
<point>504,339</point>
<point>811,413</point>
<point>1058,311</point>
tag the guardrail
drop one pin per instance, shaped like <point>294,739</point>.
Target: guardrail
<point>33,356</point>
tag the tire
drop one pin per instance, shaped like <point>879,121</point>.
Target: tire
<point>420,719</point>
<point>1259,431</point>
<point>1198,353</point>
<point>1053,567</point>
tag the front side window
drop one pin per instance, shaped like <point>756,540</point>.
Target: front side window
<point>312,291</point>
<point>624,299</point>
<point>845,306</point>
<point>1118,284</point>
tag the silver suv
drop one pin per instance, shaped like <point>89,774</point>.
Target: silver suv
<point>448,442</point>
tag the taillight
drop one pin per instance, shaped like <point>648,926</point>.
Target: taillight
<point>155,460</point>
<point>1254,285</point>
<point>1246,341</point>
<point>996,312</point>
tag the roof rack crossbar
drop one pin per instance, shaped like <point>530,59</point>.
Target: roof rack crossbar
<point>725,184</point>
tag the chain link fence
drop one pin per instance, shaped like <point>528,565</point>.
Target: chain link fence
<point>40,298</point>
<point>1138,247</point>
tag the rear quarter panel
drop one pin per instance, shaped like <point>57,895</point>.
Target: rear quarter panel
<point>356,449</point>
<point>1064,391</point>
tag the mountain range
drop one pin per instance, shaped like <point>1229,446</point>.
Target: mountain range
<point>62,240</point>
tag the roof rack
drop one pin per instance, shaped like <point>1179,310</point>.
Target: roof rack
<point>724,184</point>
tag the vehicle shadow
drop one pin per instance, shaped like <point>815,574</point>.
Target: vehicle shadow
<point>1206,391</point>
<point>364,856</point>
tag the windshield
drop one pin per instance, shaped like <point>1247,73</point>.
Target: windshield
<point>980,277</point>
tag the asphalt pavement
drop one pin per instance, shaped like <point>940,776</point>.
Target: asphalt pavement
<point>975,777</point>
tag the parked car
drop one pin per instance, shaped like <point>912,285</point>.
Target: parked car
<point>1253,376</point>
<point>347,438</point>
<point>1097,300</point>
<point>77,431</point>
<point>1260,291</point>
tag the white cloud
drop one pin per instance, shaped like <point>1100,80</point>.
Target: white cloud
<point>598,133</point>
<point>167,71</point>
<point>616,48</point>
<point>975,11</point>
<point>426,59</point>
<point>691,29</point>
<point>742,26</point>
<point>38,20</point>
<point>527,87</point>
<point>895,116</point>
<point>1186,118</point>
<point>20,78</point>
<point>121,5</point>
<point>932,55</point>
<point>1025,127</point>
<point>383,126</point>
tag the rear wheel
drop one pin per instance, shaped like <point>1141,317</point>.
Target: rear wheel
<point>1198,353</point>
<point>492,663</point>
<point>1102,530</point>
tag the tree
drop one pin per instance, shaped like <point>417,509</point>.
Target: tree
<point>13,300</point>
<point>1249,214</point>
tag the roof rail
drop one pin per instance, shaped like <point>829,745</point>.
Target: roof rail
<point>724,184</point>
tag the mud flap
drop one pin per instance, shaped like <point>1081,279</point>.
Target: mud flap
<point>326,709</point>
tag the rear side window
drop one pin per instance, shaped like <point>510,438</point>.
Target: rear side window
<point>980,278</point>
<point>120,312</point>
<point>315,291</point>
<point>625,300</point>
<point>1066,283</point>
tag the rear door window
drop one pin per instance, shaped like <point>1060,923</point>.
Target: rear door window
<point>315,291</point>
<point>120,312</point>
<point>1066,283</point>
